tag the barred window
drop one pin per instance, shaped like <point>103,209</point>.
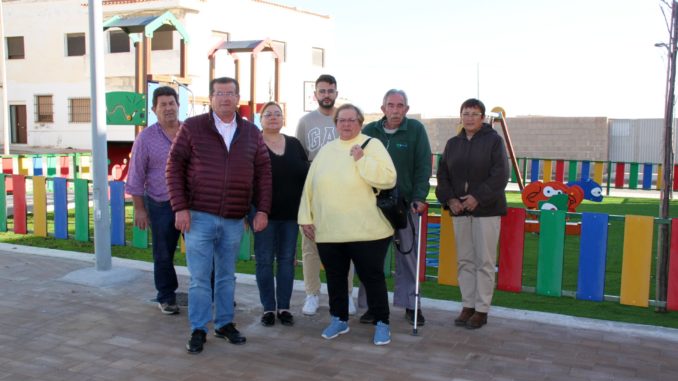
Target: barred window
<point>79,110</point>
<point>44,109</point>
<point>318,58</point>
<point>15,48</point>
<point>75,44</point>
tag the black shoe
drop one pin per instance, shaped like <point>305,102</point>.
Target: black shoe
<point>409,315</point>
<point>195,343</point>
<point>268,319</point>
<point>231,334</point>
<point>367,318</point>
<point>286,318</point>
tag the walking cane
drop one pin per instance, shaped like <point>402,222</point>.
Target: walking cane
<point>416,278</point>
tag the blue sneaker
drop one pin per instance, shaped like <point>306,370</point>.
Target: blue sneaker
<point>382,333</point>
<point>336,328</point>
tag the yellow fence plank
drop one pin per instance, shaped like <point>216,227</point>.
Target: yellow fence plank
<point>659,176</point>
<point>548,166</point>
<point>635,277</point>
<point>25,164</point>
<point>447,259</point>
<point>39,206</point>
<point>598,172</point>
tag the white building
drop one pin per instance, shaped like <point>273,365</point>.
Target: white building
<point>47,65</point>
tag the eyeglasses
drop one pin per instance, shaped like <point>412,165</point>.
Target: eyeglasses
<point>229,94</point>
<point>471,114</point>
<point>272,114</point>
<point>340,121</point>
<point>326,91</point>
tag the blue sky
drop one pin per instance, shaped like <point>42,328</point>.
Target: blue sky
<point>532,57</point>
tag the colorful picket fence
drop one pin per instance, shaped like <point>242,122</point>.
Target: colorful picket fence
<point>636,262</point>
<point>439,245</point>
<point>641,176</point>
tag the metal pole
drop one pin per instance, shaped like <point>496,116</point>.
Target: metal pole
<point>3,69</point>
<point>102,221</point>
<point>663,239</point>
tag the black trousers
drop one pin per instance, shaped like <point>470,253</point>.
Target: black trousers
<point>368,258</point>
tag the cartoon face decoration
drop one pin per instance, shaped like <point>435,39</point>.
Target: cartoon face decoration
<point>536,192</point>
<point>591,189</point>
<point>557,202</point>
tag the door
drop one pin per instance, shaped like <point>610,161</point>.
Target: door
<point>17,115</point>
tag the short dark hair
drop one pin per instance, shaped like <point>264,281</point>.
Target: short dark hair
<point>348,106</point>
<point>473,103</point>
<point>326,78</point>
<point>164,90</point>
<point>223,81</point>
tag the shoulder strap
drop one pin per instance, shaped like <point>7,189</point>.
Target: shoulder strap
<point>365,143</point>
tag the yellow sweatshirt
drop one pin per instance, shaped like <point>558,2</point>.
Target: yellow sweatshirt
<point>338,198</point>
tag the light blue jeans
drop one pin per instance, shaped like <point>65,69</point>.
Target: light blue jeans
<point>212,242</point>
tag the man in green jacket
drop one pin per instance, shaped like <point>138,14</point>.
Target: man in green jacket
<point>407,143</point>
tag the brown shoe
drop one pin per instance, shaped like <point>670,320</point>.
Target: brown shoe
<point>476,321</point>
<point>465,314</point>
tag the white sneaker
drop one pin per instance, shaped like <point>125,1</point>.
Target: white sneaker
<point>311,305</point>
<point>351,306</point>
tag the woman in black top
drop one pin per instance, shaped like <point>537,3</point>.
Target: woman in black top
<point>289,165</point>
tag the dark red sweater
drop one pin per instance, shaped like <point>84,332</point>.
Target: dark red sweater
<point>203,175</point>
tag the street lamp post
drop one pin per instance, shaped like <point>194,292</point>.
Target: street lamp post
<point>663,239</point>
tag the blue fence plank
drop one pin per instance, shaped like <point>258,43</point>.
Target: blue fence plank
<point>37,166</point>
<point>585,169</point>
<point>534,170</point>
<point>60,208</point>
<point>117,212</point>
<point>593,249</point>
<point>647,175</point>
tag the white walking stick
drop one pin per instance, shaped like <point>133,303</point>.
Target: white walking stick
<point>416,277</point>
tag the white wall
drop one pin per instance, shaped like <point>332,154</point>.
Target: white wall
<point>46,69</point>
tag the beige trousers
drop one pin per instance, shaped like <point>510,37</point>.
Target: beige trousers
<point>311,267</point>
<point>477,239</point>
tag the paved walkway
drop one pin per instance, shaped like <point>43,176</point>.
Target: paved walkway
<point>62,320</point>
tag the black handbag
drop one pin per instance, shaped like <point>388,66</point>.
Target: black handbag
<point>392,205</point>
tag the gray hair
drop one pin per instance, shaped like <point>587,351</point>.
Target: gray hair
<point>395,91</point>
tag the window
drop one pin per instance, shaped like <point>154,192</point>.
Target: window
<point>118,42</point>
<point>15,48</point>
<point>281,47</point>
<point>75,44</point>
<point>318,57</point>
<point>43,109</point>
<point>162,40</point>
<point>79,110</point>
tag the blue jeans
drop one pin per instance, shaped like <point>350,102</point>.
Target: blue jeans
<point>212,242</point>
<point>165,237</point>
<point>278,241</point>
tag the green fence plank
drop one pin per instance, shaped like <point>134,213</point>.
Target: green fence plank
<point>551,249</point>
<point>572,171</point>
<point>514,177</point>
<point>3,204</point>
<point>633,176</point>
<point>388,262</point>
<point>139,238</point>
<point>246,246</point>
<point>81,210</point>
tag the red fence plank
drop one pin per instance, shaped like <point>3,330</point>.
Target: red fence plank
<point>511,245</point>
<point>560,171</point>
<point>619,175</point>
<point>19,199</point>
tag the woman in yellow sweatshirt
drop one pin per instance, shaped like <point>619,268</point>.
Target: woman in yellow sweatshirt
<point>338,210</point>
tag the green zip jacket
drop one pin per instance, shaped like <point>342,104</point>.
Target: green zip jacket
<point>411,154</point>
